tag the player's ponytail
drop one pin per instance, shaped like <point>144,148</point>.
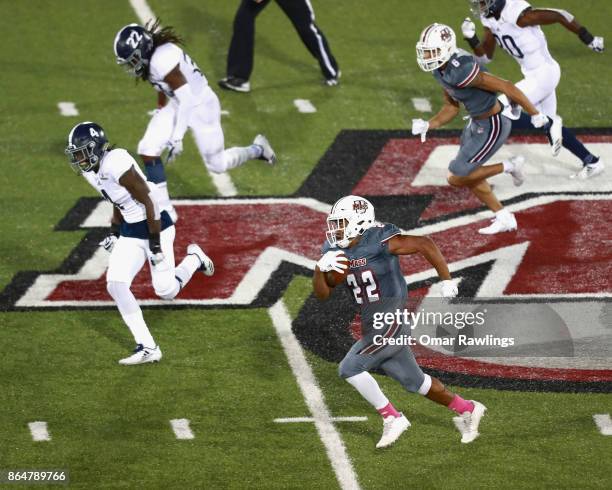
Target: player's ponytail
<point>162,35</point>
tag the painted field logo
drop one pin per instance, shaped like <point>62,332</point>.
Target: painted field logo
<point>560,253</point>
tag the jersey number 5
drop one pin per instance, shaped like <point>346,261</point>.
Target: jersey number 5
<point>364,285</point>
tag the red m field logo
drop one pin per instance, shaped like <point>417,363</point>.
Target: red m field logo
<point>561,252</point>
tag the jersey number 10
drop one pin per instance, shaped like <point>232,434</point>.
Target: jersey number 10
<point>507,42</point>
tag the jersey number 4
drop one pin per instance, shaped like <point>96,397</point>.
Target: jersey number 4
<point>364,286</point>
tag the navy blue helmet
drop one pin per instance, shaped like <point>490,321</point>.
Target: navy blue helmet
<point>487,8</point>
<point>86,145</point>
<point>133,49</point>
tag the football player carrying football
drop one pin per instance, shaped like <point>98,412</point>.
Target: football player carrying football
<point>370,250</point>
<point>185,100</point>
<point>141,231</point>
<point>515,26</point>
<point>464,82</point>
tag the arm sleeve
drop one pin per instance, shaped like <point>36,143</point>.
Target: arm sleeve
<point>514,10</point>
<point>465,73</point>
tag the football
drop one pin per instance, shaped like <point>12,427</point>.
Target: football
<point>333,278</point>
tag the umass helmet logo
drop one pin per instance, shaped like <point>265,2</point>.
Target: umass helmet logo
<point>360,206</point>
<point>543,263</point>
<point>445,34</point>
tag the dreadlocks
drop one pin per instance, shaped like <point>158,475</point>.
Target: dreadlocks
<point>162,35</point>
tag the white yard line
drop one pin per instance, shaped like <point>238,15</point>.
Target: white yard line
<point>421,104</point>
<point>222,182</point>
<point>336,451</point>
<point>292,420</point>
<point>604,423</point>
<point>39,431</point>
<point>181,429</point>
<point>67,109</point>
<point>304,106</point>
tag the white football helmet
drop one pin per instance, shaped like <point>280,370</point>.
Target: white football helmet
<point>435,47</point>
<point>349,218</point>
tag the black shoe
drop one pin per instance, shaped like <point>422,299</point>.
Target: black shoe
<point>236,84</point>
<point>331,82</point>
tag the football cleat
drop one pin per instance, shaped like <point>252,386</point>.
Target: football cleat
<point>556,135</point>
<point>500,224</point>
<point>467,423</point>
<point>236,84</point>
<point>206,264</point>
<point>518,177</point>
<point>333,81</point>
<point>267,154</point>
<point>142,355</point>
<point>393,427</point>
<point>589,171</point>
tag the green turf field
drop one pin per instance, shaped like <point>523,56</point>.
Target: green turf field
<point>225,370</point>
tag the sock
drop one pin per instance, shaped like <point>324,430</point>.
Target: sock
<point>368,388</point>
<point>508,166</point>
<point>502,213</point>
<point>130,312</point>
<point>139,329</point>
<point>186,268</point>
<point>571,143</point>
<point>255,151</point>
<point>590,159</point>
<point>237,156</point>
<point>155,172</point>
<point>460,405</point>
<point>389,411</point>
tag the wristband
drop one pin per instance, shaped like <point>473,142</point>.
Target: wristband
<point>154,244</point>
<point>585,36</point>
<point>473,41</point>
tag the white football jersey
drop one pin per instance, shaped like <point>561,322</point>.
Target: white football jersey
<point>527,45</point>
<point>106,181</point>
<point>163,61</point>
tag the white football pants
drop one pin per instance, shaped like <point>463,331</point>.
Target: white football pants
<point>540,86</point>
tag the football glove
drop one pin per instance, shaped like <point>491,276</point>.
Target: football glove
<point>597,44</point>
<point>468,28</point>
<point>420,126</point>
<point>449,289</point>
<point>334,260</point>
<point>539,120</point>
<point>175,148</point>
<point>109,241</point>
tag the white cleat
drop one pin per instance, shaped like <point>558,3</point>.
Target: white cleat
<point>500,224</point>
<point>556,135</point>
<point>142,355</point>
<point>206,264</point>
<point>268,154</point>
<point>518,177</point>
<point>468,423</point>
<point>589,171</point>
<point>393,427</point>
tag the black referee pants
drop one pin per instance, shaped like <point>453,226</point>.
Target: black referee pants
<point>240,57</point>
